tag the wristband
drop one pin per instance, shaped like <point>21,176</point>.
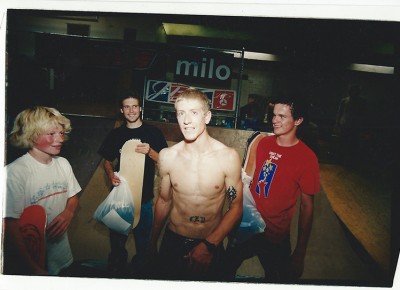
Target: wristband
<point>210,247</point>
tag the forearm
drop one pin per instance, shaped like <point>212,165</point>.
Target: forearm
<point>60,224</point>
<point>234,193</point>
<point>304,228</point>
<point>227,224</point>
<point>109,169</point>
<point>153,154</point>
<point>72,205</point>
<point>161,212</point>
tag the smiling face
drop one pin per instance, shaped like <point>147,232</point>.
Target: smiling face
<point>283,122</point>
<point>192,118</point>
<point>131,110</point>
<point>48,143</point>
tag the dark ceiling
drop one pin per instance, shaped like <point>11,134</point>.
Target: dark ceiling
<point>318,39</point>
<point>302,40</point>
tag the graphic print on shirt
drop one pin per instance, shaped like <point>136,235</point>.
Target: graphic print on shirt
<point>50,189</point>
<point>266,175</point>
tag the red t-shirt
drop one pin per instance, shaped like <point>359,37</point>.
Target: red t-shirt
<point>281,174</point>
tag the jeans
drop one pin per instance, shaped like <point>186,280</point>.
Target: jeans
<point>274,258</point>
<point>174,266</point>
<point>118,256</point>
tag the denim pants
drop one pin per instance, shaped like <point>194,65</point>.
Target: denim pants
<point>119,255</point>
<point>174,266</point>
<point>274,258</point>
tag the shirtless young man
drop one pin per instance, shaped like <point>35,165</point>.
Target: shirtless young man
<point>197,175</point>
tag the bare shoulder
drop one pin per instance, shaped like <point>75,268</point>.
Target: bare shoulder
<point>171,153</point>
<point>226,153</point>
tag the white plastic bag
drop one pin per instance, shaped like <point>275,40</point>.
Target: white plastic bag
<point>252,222</point>
<point>116,211</point>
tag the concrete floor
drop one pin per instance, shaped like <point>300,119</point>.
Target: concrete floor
<point>331,258</point>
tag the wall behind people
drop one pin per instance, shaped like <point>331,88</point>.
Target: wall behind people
<point>325,83</point>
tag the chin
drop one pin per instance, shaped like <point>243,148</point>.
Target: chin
<point>55,153</point>
<point>190,137</point>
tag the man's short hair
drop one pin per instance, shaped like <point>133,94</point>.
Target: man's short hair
<point>194,94</point>
<point>126,94</point>
<point>296,102</point>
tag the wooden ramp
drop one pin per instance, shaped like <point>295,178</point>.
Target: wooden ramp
<point>364,206</point>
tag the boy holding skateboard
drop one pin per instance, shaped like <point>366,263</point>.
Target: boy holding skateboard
<point>152,141</point>
<point>39,177</point>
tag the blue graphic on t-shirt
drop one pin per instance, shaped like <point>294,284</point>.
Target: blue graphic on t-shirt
<point>265,177</point>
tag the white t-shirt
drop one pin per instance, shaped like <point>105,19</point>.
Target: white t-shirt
<point>49,185</point>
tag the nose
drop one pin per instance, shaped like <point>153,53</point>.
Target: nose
<point>59,137</point>
<point>187,119</point>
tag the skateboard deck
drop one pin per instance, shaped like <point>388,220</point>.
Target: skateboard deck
<point>132,169</point>
<point>33,230</point>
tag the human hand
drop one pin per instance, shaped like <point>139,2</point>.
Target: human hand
<point>143,148</point>
<point>296,267</point>
<point>59,225</point>
<point>199,259</point>
<point>115,180</point>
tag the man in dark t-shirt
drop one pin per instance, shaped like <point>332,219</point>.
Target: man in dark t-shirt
<point>152,142</point>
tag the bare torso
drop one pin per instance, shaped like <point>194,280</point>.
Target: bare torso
<point>198,188</point>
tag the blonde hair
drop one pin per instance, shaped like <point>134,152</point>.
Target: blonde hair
<point>194,94</point>
<point>32,122</point>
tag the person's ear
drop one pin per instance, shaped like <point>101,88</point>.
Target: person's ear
<point>208,117</point>
<point>298,121</point>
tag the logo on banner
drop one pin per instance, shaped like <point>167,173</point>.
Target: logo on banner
<point>202,67</point>
<point>224,100</point>
<point>176,90</point>
<point>205,68</point>
<point>167,92</point>
<point>158,91</point>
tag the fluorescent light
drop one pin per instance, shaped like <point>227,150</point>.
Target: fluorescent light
<point>260,56</point>
<point>203,31</point>
<point>372,68</point>
<point>256,55</point>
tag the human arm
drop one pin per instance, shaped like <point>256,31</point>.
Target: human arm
<point>60,223</point>
<point>109,169</point>
<point>250,161</point>
<point>304,231</point>
<point>13,238</point>
<point>233,182</point>
<point>145,148</point>
<point>200,255</point>
<point>163,203</point>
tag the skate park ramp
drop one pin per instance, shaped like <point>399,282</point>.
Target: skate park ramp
<point>88,132</point>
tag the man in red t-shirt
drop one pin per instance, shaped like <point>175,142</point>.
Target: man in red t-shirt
<point>283,168</point>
